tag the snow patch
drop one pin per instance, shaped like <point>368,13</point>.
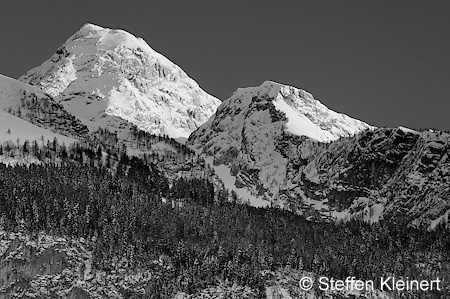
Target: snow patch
<point>299,124</point>
<point>407,130</point>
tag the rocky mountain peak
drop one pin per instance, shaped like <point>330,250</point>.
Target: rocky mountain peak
<point>119,75</point>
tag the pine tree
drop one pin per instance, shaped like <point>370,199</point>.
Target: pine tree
<point>99,153</point>
<point>63,152</point>
<point>26,147</point>
<point>108,160</point>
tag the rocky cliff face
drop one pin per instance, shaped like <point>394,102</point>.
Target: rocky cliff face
<point>44,266</point>
<point>284,148</point>
<point>384,173</point>
<point>100,72</point>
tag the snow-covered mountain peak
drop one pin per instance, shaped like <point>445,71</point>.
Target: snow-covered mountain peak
<point>120,75</point>
<point>110,39</point>
<point>88,29</point>
<point>274,89</point>
<point>91,27</point>
<point>306,116</point>
<point>245,138</point>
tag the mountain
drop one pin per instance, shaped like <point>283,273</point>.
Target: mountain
<point>277,145</point>
<point>246,130</point>
<point>28,113</point>
<point>70,108</point>
<point>99,72</point>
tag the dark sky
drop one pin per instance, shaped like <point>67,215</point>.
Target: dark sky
<point>384,62</point>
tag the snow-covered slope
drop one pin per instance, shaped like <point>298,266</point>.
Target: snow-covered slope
<point>34,106</point>
<point>13,128</point>
<point>15,132</point>
<point>244,133</point>
<point>100,72</point>
<point>11,88</point>
<point>27,114</point>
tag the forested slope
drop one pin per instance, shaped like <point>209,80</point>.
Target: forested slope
<point>188,237</point>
